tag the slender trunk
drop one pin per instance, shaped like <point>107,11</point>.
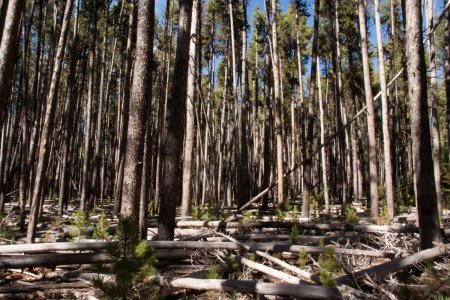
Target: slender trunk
<point>131,40</point>
<point>44,147</point>
<point>433,103</point>
<point>373,175</point>
<point>384,117</point>
<point>173,144</point>
<point>278,107</point>
<point>447,74</point>
<point>190,114</point>
<point>323,154</point>
<point>72,96</point>
<point>307,184</point>
<point>86,180</point>
<point>244,179</point>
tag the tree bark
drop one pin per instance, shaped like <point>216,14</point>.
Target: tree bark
<point>278,105</point>
<point>173,144</point>
<point>308,148</point>
<point>373,173</point>
<point>433,103</point>
<point>427,209</point>
<point>385,117</point>
<point>140,89</point>
<point>8,51</point>
<point>190,113</point>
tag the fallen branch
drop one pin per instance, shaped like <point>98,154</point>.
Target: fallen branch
<point>396,265</point>
<point>253,287</point>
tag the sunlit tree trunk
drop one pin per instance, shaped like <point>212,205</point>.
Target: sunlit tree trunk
<point>373,175</point>
<point>427,208</point>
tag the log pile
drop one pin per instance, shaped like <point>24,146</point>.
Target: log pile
<point>210,242</point>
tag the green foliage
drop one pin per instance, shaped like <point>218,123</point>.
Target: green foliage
<point>248,216</point>
<point>294,233</point>
<point>279,214</point>
<point>208,213</point>
<point>326,279</point>
<point>441,297</point>
<point>213,274</point>
<point>328,265</point>
<point>132,272</point>
<point>445,184</point>
<point>384,216</point>
<point>81,222</point>
<point>314,207</point>
<point>101,228</point>
<point>351,216</point>
<point>303,258</point>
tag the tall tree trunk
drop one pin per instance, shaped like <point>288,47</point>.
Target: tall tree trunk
<point>420,134</point>
<point>190,113</point>
<point>447,74</point>
<point>307,184</point>
<point>278,107</point>
<point>373,173</point>
<point>72,96</point>
<point>244,176</point>
<point>173,144</point>
<point>435,131</point>
<point>138,114</point>
<point>86,181</point>
<point>146,167</point>
<point>131,40</point>
<point>385,117</point>
<point>44,147</point>
<point>8,51</point>
<point>323,154</point>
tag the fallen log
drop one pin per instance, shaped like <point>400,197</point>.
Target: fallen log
<point>253,287</point>
<point>57,259</point>
<point>274,247</point>
<point>222,225</point>
<point>29,288</point>
<point>396,265</point>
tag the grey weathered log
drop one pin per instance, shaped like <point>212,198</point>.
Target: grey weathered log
<point>16,288</point>
<point>313,226</point>
<point>396,265</point>
<point>253,287</point>
<point>57,259</point>
<point>273,247</point>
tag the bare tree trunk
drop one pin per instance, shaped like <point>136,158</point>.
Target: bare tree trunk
<point>385,117</point>
<point>131,40</point>
<point>72,95</point>
<point>373,175</point>
<point>138,115</point>
<point>278,107</point>
<point>190,113</point>
<point>243,178</point>
<point>307,185</point>
<point>447,74</point>
<point>86,181</point>
<point>435,131</point>
<point>8,51</point>
<point>173,144</point>
<point>420,134</point>
<point>44,148</point>
<point>163,96</point>
<point>323,154</point>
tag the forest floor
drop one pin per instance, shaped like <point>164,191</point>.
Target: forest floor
<point>270,255</point>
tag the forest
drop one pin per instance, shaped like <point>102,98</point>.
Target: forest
<point>225,149</point>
